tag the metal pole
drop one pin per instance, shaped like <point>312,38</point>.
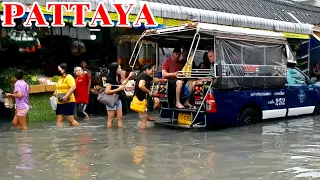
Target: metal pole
<point>309,66</point>
<point>157,58</point>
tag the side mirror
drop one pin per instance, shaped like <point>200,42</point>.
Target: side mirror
<point>313,80</point>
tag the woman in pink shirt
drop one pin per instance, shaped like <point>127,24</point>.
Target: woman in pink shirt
<point>21,93</point>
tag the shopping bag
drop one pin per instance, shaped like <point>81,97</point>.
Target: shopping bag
<point>53,103</point>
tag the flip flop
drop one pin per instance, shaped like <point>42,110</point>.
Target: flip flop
<point>150,119</point>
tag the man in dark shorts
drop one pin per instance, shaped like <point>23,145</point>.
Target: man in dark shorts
<point>170,67</point>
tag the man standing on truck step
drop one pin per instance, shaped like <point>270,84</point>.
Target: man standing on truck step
<point>170,68</point>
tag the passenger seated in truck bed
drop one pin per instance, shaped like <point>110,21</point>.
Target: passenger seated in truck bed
<point>170,67</point>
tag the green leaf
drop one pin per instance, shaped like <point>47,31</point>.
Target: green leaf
<point>34,78</point>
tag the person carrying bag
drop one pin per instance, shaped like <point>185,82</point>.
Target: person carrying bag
<point>143,100</point>
<point>111,96</point>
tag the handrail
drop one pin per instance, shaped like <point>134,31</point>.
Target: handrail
<point>195,74</point>
<point>134,50</point>
<point>202,103</point>
<point>191,47</point>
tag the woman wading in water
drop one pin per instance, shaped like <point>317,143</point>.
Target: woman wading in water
<point>65,96</point>
<point>21,94</point>
<point>142,90</point>
<point>114,85</point>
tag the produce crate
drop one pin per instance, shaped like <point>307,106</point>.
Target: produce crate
<point>37,89</point>
<point>50,88</point>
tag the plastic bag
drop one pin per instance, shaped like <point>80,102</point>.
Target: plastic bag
<point>8,102</point>
<point>53,103</point>
<point>1,96</point>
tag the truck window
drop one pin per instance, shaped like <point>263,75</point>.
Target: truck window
<point>295,77</point>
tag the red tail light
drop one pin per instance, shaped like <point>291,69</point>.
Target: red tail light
<point>211,103</point>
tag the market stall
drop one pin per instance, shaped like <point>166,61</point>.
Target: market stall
<point>41,89</point>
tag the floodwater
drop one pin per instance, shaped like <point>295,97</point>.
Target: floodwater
<point>276,150</point>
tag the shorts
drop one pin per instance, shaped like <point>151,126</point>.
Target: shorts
<point>66,109</point>
<point>22,112</point>
<point>115,107</point>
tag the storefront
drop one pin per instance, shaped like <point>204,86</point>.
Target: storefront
<point>51,46</point>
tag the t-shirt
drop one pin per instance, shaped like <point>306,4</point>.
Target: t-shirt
<point>82,90</point>
<point>141,95</point>
<point>114,83</point>
<point>23,87</point>
<point>63,86</point>
<point>89,72</point>
<point>172,66</point>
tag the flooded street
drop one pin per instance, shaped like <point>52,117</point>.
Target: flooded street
<point>275,150</point>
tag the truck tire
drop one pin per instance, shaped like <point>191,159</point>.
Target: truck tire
<point>316,110</point>
<point>248,116</point>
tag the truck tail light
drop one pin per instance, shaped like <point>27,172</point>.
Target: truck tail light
<point>211,103</point>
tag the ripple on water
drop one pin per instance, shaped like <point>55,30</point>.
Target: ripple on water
<point>304,172</point>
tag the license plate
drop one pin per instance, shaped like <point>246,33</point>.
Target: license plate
<point>184,118</point>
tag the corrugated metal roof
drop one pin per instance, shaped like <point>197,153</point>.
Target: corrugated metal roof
<point>215,17</point>
<point>243,13</point>
<point>269,9</point>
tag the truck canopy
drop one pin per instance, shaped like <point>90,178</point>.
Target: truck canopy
<point>244,58</point>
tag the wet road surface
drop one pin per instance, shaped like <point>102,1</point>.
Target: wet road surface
<point>276,150</point>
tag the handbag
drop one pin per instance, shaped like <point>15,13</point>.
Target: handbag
<point>150,101</point>
<point>138,106</point>
<point>109,100</point>
<point>150,104</point>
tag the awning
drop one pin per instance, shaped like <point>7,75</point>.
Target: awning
<point>206,16</point>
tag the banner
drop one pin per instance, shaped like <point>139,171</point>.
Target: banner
<point>69,16</point>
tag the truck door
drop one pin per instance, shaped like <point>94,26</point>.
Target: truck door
<point>301,97</point>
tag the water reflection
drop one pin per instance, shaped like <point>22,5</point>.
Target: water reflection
<point>83,160</point>
<point>273,150</point>
<point>139,151</point>
<point>23,141</point>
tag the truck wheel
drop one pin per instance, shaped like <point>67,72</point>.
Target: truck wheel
<point>248,116</point>
<point>316,110</point>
